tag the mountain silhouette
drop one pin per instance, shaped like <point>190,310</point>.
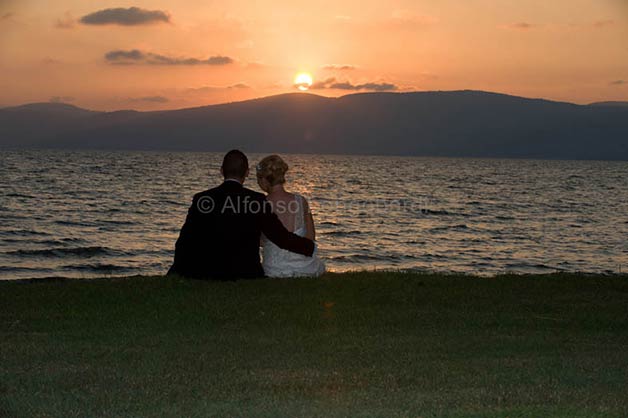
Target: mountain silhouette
<point>447,123</point>
<point>610,104</point>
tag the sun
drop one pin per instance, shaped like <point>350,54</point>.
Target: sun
<point>303,81</point>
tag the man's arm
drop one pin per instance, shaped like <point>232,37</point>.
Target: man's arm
<point>309,222</point>
<point>281,237</point>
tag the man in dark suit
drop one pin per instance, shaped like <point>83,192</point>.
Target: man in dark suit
<point>221,235</point>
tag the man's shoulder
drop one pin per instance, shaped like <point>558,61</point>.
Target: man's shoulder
<point>253,194</point>
<point>223,191</point>
<point>208,192</point>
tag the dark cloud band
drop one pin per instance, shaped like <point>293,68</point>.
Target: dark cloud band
<point>333,84</point>
<point>135,56</point>
<point>126,17</point>
<point>339,67</point>
<point>521,26</point>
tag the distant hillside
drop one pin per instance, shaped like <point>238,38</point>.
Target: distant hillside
<point>612,104</point>
<point>456,123</point>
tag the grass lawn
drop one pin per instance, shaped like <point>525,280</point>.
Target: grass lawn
<point>346,345</point>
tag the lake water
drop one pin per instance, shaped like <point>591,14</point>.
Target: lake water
<point>88,214</point>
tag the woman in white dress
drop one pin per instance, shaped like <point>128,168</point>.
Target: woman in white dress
<point>294,212</point>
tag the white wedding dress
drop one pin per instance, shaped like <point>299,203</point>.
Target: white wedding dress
<point>282,263</point>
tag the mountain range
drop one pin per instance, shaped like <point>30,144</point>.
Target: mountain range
<point>441,123</point>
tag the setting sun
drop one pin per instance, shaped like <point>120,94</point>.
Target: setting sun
<point>303,81</point>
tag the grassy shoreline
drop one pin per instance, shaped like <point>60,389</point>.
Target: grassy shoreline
<point>352,344</point>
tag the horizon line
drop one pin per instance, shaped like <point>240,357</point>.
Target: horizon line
<point>308,93</point>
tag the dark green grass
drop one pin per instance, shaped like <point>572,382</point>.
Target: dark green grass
<point>354,345</point>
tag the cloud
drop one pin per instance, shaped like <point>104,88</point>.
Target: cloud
<point>618,82</point>
<point>333,84</point>
<point>65,22</point>
<point>150,99</point>
<point>207,89</point>
<point>603,23</point>
<point>61,99</point>
<point>524,26</point>
<point>135,56</point>
<point>126,17</point>
<point>50,61</point>
<point>375,87</point>
<point>366,86</point>
<point>120,55</point>
<point>339,67</point>
<point>320,85</point>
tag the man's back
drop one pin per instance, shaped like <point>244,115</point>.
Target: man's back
<point>221,235</point>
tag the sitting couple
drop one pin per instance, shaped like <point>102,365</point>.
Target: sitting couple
<point>226,225</point>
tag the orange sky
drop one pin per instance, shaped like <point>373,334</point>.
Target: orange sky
<point>197,52</point>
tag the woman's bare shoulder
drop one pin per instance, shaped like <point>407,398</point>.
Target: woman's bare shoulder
<point>282,197</point>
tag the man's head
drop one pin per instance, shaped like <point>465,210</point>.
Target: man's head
<point>235,166</point>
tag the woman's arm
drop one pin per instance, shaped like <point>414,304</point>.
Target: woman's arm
<point>310,230</point>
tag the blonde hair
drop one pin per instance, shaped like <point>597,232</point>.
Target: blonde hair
<point>272,169</point>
